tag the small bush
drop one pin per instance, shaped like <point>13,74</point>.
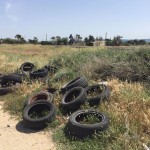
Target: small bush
<point>46,43</point>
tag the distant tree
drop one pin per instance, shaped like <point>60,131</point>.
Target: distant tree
<point>117,40</point>
<point>46,43</point>
<point>64,41</point>
<point>86,40</point>
<point>89,40</point>
<point>35,39</point>
<point>10,41</point>
<point>136,42</point>
<point>22,40</point>
<point>130,42</point>
<point>108,42</point>
<point>18,36</point>
<point>142,42</point>
<point>58,40</point>
<point>71,39</point>
<point>30,41</point>
<point>52,38</point>
<point>70,36</point>
<point>77,38</point>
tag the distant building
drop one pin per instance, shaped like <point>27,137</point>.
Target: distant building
<point>1,41</point>
<point>99,43</point>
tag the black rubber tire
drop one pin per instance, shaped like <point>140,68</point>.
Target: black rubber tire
<point>80,131</point>
<point>1,75</point>
<point>12,79</point>
<point>30,67</point>
<point>103,95</point>
<point>80,98</point>
<point>79,81</point>
<point>51,69</point>
<point>19,74</point>
<point>7,90</point>
<point>39,123</point>
<point>39,96</point>
<point>40,73</point>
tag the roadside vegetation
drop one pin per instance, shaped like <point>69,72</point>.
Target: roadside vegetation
<point>127,71</point>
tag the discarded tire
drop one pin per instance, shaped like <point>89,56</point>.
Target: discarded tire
<point>27,67</point>
<point>39,96</point>
<point>51,69</point>
<point>80,81</point>
<point>19,74</point>
<point>12,79</point>
<point>38,108</point>
<point>73,99</point>
<point>102,93</point>
<point>78,129</point>
<point>9,89</point>
<point>40,73</point>
<point>1,75</point>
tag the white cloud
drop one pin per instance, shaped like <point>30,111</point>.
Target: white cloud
<point>8,12</point>
<point>8,6</point>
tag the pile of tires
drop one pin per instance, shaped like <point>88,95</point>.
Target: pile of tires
<point>30,69</point>
<point>38,111</point>
<point>9,82</point>
<point>77,92</point>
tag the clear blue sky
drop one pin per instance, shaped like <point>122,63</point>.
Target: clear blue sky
<point>129,18</point>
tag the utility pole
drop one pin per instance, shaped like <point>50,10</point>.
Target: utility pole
<point>105,35</point>
<point>46,36</point>
<point>105,40</point>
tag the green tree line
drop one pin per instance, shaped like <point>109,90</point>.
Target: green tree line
<point>73,40</point>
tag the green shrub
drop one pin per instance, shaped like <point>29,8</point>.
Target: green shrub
<point>130,65</point>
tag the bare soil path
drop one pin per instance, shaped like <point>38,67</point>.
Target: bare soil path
<point>13,136</point>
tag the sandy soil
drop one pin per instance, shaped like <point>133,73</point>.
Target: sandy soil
<point>13,135</point>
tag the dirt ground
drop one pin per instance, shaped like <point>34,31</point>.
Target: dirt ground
<point>13,135</point>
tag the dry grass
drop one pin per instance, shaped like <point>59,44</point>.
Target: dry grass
<point>131,106</point>
<point>7,66</point>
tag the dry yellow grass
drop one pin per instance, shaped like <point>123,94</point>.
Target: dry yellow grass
<point>130,106</point>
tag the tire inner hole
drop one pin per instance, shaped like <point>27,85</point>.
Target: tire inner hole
<point>39,111</point>
<point>72,96</point>
<point>27,68</point>
<point>89,118</point>
<point>94,91</point>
